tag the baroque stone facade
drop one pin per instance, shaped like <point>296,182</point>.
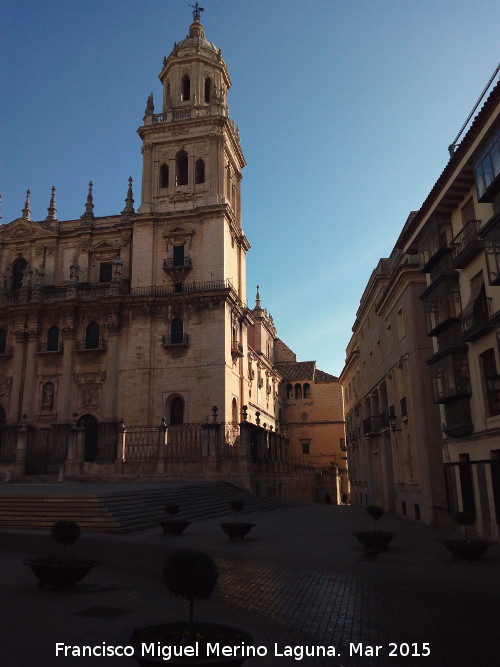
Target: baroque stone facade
<point>140,316</point>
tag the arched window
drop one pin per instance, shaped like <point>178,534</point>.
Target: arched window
<point>186,87</point>
<point>164,176</point>
<point>91,446</point>
<point>18,269</point>
<point>199,171</point>
<point>176,330</point>
<point>92,336</point>
<point>208,89</point>
<point>234,411</point>
<point>307,390</point>
<point>181,163</point>
<point>3,341</point>
<point>298,391</point>
<point>289,391</point>
<point>53,339</point>
<point>175,411</point>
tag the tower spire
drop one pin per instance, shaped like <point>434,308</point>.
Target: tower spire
<point>88,216</point>
<point>26,209</point>
<point>52,207</point>
<point>129,201</point>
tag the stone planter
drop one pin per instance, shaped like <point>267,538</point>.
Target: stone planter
<point>171,638</point>
<point>60,573</point>
<point>374,539</point>
<point>236,530</point>
<point>174,526</point>
<point>467,549</point>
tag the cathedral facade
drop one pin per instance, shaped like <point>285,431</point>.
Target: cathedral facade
<point>140,317</point>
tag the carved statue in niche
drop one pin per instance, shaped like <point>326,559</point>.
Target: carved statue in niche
<point>27,276</point>
<point>39,274</point>
<point>48,393</point>
<point>117,268</point>
<point>7,277</point>
<point>74,271</point>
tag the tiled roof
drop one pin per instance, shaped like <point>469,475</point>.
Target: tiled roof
<point>299,370</point>
<point>303,370</point>
<point>321,376</point>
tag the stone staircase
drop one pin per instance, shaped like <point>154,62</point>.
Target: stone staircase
<point>123,511</point>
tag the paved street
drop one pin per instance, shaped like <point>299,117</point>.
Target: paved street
<point>300,579</point>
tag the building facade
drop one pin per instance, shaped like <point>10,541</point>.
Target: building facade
<point>453,243</point>
<point>141,316</point>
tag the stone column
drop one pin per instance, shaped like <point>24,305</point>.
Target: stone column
<point>66,381</point>
<point>147,178</point>
<point>29,376</point>
<point>111,382</point>
<point>15,410</point>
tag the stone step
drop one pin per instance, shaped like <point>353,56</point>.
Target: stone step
<point>120,511</point>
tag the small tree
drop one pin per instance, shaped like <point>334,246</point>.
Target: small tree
<point>172,509</point>
<point>191,575</point>
<point>65,532</point>
<point>375,512</point>
<point>465,519</point>
<point>237,506</point>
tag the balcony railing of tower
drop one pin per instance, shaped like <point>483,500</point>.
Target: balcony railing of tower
<point>170,263</point>
<point>184,113</point>
<point>86,292</point>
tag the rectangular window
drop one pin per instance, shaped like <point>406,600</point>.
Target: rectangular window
<point>491,383</point>
<point>390,343</point>
<point>404,408</point>
<point>487,168</point>
<point>178,255</point>
<point>401,324</point>
<point>379,353</point>
<point>466,483</point>
<point>495,480</point>
<point>305,448</point>
<point>105,272</point>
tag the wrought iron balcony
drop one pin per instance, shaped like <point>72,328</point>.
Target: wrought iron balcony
<point>90,346</point>
<point>466,244</point>
<point>179,340</point>
<point>236,349</point>
<point>477,321</point>
<point>45,348</point>
<point>375,424</point>
<point>170,264</point>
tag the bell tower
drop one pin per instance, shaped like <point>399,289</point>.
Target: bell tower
<point>191,150</point>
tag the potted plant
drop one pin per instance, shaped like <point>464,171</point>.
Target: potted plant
<point>61,572</point>
<point>236,529</point>
<point>374,539</point>
<point>171,525</point>
<point>466,549</point>
<point>190,575</point>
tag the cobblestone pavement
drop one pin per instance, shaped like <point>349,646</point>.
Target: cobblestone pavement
<point>300,580</point>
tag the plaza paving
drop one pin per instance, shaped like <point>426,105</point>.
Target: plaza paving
<point>299,579</point>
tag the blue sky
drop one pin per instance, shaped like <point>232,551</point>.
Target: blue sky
<point>345,107</point>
